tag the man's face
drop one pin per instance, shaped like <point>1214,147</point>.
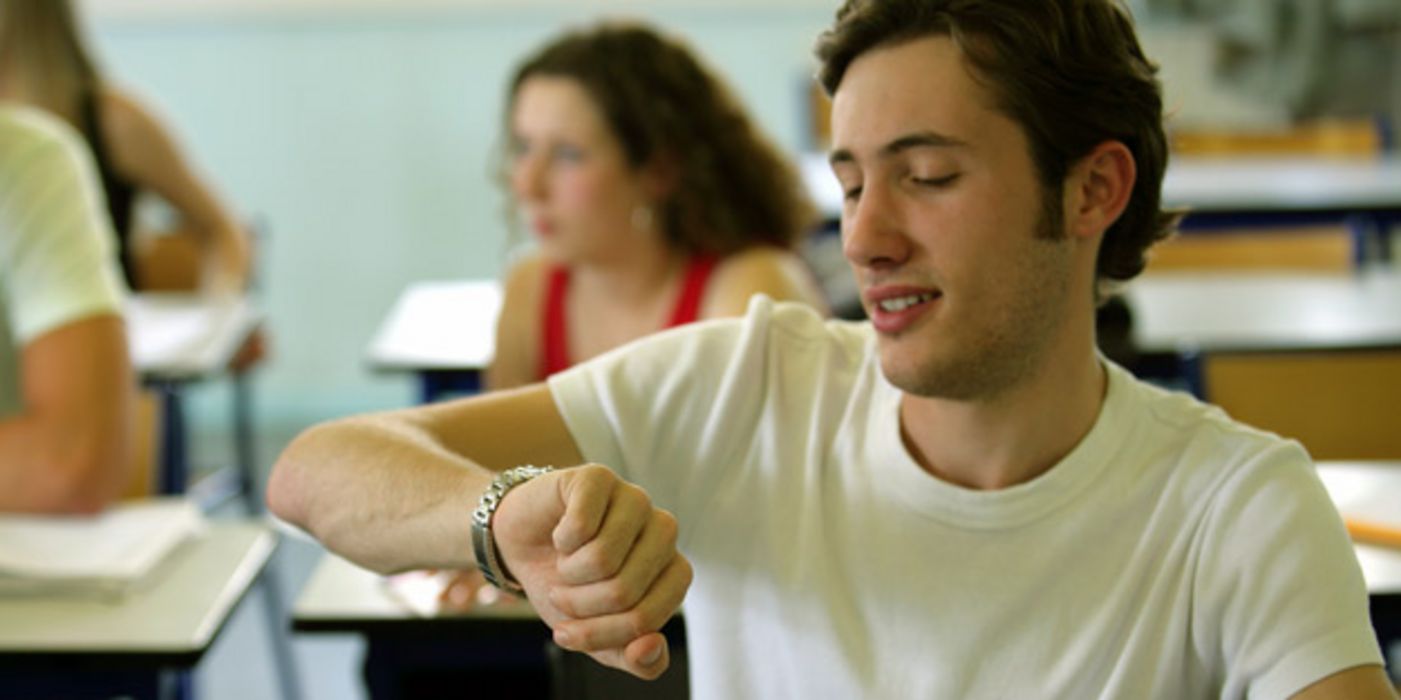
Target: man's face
<point>964,275</point>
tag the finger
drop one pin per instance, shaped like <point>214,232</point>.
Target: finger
<point>619,629</point>
<point>646,657</point>
<point>458,595</point>
<point>587,492</point>
<point>602,557</point>
<point>654,550</point>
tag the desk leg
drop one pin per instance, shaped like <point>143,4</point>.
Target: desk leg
<point>1370,238</point>
<point>288,680</point>
<point>177,685</point>
<point>244,446</point>
<point>174,471</point>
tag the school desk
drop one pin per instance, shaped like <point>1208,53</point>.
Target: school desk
<point>144,644</point>
<point>500,644</point>
<point>1368,495</point>
<point>180,339</point>
<point>1183,312</point>
<point>444,332</point>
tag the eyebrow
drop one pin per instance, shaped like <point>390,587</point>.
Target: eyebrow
<point>921,139</point>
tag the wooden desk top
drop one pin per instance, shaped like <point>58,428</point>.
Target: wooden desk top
<point>1240,311</point>
<point>170,623</point>
<point>445,325</point>
<point>183,337</point>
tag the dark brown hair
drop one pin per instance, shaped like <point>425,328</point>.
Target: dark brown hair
<point>733,189</point>
<point>1070,72</point>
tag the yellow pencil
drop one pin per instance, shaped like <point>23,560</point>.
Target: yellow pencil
<point>1367,532</point>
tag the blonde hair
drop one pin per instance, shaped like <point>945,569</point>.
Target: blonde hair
<point>42,50</point>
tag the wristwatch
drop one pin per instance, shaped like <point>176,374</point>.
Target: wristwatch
<point>483,542</point>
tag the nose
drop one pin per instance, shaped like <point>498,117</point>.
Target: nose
<point>872,236</point>
<point>528,177</point>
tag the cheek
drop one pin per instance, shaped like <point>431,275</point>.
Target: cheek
<point>985,239</point>
<point>597,192</point>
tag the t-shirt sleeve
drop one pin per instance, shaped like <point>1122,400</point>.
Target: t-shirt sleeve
<point>1281,582</point>
<point>55,239</point>
<point>673,409</point>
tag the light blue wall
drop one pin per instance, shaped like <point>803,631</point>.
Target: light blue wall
<point>366,143</point>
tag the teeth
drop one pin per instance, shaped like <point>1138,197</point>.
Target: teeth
<point>898,304</point>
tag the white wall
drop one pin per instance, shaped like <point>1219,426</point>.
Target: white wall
<point>366,141</point>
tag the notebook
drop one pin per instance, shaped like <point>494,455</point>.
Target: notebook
<point>107,555</point>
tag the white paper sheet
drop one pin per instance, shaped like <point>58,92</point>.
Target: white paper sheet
<point>105,553</point>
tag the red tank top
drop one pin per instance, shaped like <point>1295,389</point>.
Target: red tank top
<point>554,355</point>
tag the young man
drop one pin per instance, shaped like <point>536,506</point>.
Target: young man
<point>958,499</point>
<point>66,387</point>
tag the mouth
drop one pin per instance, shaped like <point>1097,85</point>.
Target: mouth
<point>893,310</point>
<point>898,304</point>
<point>542,227</point>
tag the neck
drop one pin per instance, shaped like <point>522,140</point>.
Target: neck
<point>639,277</point>
<point>1017,435</point>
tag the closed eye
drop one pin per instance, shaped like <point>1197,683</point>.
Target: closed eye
<point>852,194</point>
<point>943,181</point>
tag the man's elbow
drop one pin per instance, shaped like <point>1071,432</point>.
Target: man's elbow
<point>287,492</point>
<point>282,497</point>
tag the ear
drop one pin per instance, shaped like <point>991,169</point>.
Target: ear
<point>1098,189</point>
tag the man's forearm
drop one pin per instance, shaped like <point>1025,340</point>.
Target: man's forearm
<point>380,492</point>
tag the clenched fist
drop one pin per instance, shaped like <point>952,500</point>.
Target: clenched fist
<point>599,563</point>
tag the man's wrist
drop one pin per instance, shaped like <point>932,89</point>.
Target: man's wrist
<point>484,539</point>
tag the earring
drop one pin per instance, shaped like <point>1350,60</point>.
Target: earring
<point>642,217</point>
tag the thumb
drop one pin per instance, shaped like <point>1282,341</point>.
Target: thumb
<point>646,657</point>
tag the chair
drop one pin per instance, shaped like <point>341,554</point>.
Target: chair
<point>1339,404</point>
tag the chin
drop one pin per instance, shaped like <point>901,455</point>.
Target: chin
<point>971,376</point>
<point>559,254</point>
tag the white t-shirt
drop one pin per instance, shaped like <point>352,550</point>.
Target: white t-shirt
<point>1173,554</point>
<point>57,263</point>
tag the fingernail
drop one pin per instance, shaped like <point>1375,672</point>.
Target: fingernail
<point>653,657</point>
<point>562,639</point>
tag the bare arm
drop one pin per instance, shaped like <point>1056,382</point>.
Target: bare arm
<point>779,274</point>
<point>145,152</point>
<point>69,451</point>
<point>1357,683</point>
<point>394,491</point>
